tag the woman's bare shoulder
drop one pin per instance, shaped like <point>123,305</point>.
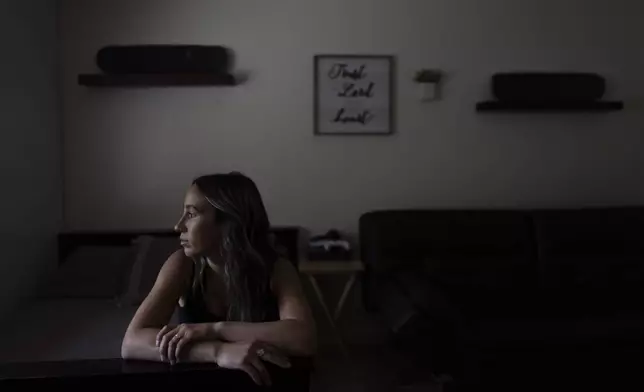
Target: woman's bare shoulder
<point>283,269</point>
<point>178,266</point>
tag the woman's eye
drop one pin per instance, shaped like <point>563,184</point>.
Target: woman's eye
<point>190,215</point>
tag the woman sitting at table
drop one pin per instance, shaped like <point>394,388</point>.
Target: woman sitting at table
<point>239,303</point>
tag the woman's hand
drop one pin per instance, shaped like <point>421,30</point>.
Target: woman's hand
<point>248,357</point>
<point>172,340</point>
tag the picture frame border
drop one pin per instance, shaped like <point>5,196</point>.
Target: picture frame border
<point>316,99</point>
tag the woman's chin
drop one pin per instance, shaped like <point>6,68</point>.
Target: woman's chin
<point>191,252</point>
<point>188,252</point>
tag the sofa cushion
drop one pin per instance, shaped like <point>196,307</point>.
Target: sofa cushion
<point>485,287</point>
<point>389,238</point>
<point>598,271</point>
<point>566,330</point>
<point>593,285</point>
<point>591,261</point>
<point>477,272</point>
<point>599,231</point>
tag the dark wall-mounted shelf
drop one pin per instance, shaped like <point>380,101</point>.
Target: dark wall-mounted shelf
<point>600,106</point>
<point>156,80</point>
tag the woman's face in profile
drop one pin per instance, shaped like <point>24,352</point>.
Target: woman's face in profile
<point>198,232</point>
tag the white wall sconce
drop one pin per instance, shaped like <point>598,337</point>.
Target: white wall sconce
<point>428,81</point>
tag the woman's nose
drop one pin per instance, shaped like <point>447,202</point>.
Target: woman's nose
<point>179,227</point>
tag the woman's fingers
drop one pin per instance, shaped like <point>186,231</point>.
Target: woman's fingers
<point>163,344</point>
<point>161,333</point>
<point>172,347</point>
<point>252,372</point>
<point>272,355</point>
<point>261,370</point>
<point>180,345</point>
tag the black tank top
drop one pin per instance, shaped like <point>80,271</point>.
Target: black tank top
<point>195,310</point>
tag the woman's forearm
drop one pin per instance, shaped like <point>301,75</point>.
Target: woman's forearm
<point>293,337</point>
<point>141,345</point>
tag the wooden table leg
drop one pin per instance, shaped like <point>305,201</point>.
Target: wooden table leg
<point>345,294</point>
<point>327,312</point>
<point>320,296</point>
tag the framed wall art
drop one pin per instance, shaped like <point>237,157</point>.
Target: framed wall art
<point>353,95</point>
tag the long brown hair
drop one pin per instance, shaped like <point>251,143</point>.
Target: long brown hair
<point>245,245</point>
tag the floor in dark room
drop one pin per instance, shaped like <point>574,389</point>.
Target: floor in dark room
<point>369,368</point>
<point>372,365</point>
<point>375,365</point>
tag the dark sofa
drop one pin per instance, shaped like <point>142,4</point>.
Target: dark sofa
<point>466,288</point>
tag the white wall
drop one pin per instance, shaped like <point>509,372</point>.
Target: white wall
<point>129,154</point>
<point>30,143</point>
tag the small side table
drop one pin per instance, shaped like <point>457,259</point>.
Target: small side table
<point>314,268</point>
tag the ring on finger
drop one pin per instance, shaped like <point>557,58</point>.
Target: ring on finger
<point>261,352</point>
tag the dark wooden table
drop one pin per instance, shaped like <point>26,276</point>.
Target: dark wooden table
<point>116,374</point>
